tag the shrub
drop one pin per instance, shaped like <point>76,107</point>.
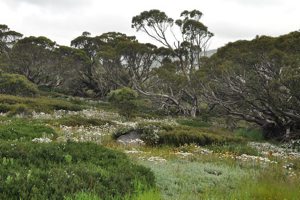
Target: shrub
<point>125,100</point>
<point>252,134</point>
<point>20,109</point>
<point>16,84</point>
<point>193,122</point>
<point>41,171</point>
<point>150,135</point>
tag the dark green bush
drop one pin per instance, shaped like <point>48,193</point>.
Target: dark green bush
<point>15,84</point>
<point>17,129</point>
<point>41,171</point>
<point>125,100</point>
<point>193,122</point>
<point>4,108</point>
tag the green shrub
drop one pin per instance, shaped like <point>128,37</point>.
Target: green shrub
<point>193,123</point>
<point>4,108</point>
<point>41,171</point>
<point>251,134</point>
<point>125,100</point>
<point>20,109</point>
<point>18,129</point>
<point>16,84</point>
<point>150,135</point>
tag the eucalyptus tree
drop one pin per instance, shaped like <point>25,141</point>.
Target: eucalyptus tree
<point>116,60</point>
<point>185,41</point>
<point>7,39</point>
<point>33,57</point>
<point>47,64</point>
<point>71,65</point>
<point>259,81</point>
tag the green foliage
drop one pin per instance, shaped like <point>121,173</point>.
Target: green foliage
<point>193,123</point>
<point>43,171</point>
<point>124,99</point>
<point>38,104</point>
<point>18,129</point>
<point>83,196</point>
<point>149,134</point>
<point>15,84</point>
<point>256,81</point>
<point>251,134</point>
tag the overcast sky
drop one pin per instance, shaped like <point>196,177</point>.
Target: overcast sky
<point>229,20</point>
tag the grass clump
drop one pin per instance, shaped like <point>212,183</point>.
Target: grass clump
<point>55,171</point>
<point>18,129</point>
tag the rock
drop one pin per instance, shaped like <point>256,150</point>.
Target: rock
<point>132,138</point>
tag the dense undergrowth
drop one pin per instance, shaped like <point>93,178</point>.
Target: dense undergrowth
<point>54,171</point>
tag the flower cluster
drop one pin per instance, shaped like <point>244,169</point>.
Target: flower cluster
<point>86,134</point>
<point>268,149</point>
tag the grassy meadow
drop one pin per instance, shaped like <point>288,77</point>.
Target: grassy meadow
<point>67,148</point>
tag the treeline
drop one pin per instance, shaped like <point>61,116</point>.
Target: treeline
<point>257,81</point>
